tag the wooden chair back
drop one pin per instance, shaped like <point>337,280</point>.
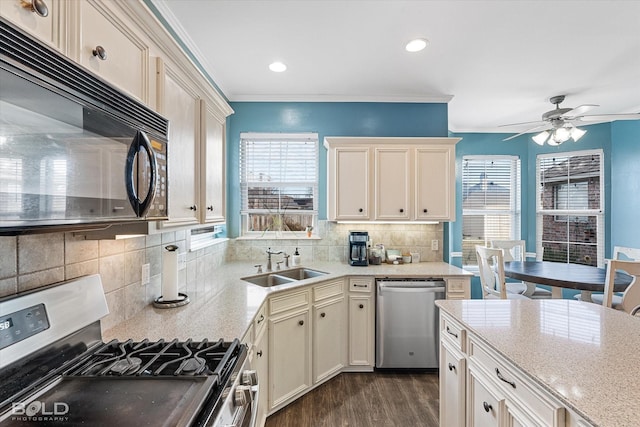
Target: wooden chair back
<point>626,254</point>
<point>491,268</point>
<point>514,250</point>
<point>631,295</point>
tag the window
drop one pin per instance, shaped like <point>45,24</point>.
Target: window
<point>570,218</point>
<point>490,202</point>
<point>278,183</point>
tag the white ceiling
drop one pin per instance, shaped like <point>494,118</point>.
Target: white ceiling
<point>495,62</point>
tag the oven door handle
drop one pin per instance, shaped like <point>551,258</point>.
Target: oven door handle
<point>141,207</point>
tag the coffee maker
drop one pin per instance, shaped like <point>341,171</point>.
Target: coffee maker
<point>358,241</point>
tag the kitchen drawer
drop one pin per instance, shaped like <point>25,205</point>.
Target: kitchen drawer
<point>360,284</point>
<point>328,290</point>
<point>260,320</point>
<point>288,301</point>
<point>453,332</point>
<point>458,288</point>
<point>516,387</point>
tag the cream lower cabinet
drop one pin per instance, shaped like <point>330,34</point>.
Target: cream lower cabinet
<point>362,309</point>
<point>261,366</point>
<point>452,393</point>
<point>329,330</point>
<point>458,287</point>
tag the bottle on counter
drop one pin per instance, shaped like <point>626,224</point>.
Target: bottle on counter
<point>295,259</point>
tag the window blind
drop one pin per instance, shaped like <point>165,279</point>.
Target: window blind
<point>569,207</point>
<point>490,202</point>
<point>279,181</point>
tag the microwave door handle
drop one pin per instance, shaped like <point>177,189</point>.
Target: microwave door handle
<point>145,204</point>
<point>140,206</point>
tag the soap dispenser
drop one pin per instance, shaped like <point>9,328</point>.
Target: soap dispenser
<point>295,259</point>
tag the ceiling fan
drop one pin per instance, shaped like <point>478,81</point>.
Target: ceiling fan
<point>559,125</point>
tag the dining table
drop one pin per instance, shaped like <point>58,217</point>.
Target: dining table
<point>559,275</point>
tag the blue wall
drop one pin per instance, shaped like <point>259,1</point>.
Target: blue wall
<point>625,184</point>
<point>327,119</point>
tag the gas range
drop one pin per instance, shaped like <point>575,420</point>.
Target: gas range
<point>56,370</point>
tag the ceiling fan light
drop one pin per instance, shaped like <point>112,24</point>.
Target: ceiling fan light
<point>576,133</point>
<point>561,135</point>
<point>541,137</point>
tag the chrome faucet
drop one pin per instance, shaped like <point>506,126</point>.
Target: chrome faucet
<point>269,253</point>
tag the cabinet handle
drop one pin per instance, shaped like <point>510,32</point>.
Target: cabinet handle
<point>301,322</point>
<point>260,319</point>
<point>486,406</point>
<point>193,208</point>
<point>452,367</point>
<point>356,285</point>
<point>39,7</point>
<point>361,306</point>
<point>401,210</point>
<point>511,383</point>
<point>323,314</point>
<point>360,210</point>
<point>451,333</point>
<point>100,53</point>
<point>424,210</point>
<point>210,208</point>
<point>259,353</point>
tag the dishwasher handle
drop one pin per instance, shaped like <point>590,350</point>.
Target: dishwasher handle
<point>403,287</point>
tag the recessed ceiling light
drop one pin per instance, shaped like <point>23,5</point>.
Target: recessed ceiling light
<point>416,45</point>
<point>277,67</point>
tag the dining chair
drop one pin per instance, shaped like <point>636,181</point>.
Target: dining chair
<point>514,250</point>
<point>629,301</point>
<point>492,278</point>
<point>620,253</point>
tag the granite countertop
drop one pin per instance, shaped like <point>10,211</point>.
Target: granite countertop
<point>585,355</point>
<point>228,313</point>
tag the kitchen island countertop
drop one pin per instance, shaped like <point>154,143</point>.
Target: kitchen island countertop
<point>227,310</point>
<point>585,355</point>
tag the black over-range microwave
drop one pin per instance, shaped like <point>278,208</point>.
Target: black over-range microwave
<point>75,152</point>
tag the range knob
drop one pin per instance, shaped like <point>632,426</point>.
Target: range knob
<point>249,377</point>
<point>242,395</point>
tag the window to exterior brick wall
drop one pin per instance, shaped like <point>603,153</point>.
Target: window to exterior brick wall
<point>570,200</point>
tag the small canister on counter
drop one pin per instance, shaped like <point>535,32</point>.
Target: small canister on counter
<point>374,256</point>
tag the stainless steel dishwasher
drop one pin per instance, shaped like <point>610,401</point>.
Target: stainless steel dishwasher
<point>407,331</point>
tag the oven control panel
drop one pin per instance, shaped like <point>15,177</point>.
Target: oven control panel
<point>22,324</point>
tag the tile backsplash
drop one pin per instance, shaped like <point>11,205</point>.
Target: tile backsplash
<point>31,261</point>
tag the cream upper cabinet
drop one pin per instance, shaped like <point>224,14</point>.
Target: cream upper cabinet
<point>212,157</point>
<point>180,103</point>
<point>435,184</point>
<point>348,183</point>
<point>48,28</point>
<point>107,44</point>
<point>396,179</point>
<point>392,186</point>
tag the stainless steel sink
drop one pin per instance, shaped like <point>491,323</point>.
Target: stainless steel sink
<point>282,277</point>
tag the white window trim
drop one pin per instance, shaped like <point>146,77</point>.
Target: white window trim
<point>598,213</point>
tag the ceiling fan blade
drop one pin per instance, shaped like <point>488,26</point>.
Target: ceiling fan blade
<point>579,110</point>
<point>545,126</point>
<point>538,122</point>
<point>609,117</point>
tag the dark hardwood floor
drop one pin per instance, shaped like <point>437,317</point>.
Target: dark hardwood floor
<point>366,400</point>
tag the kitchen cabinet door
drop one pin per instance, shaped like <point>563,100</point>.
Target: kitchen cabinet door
<point>453,379</point>
<point>107,45</point>
<point>261,365</point>
<point>47,29</point>
<point>289,356</point>
<point>179,102</point>
<point>329,324</point>
<point>485,406</point>
<point>361,331</point>
<point>435,184</point>
<point>392,185</point>
<point>348,178</point>
<point>212,155</point>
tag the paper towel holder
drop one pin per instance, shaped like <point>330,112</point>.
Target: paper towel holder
<point>183,299</point>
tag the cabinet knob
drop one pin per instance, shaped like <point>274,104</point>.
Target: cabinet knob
<point>259,353</point>
<point>100,52</point>
<point>323,314</point>
<point>360,210</point>
<point>401,210</point>
<point>193,208</point>
<point>486,406</point>
<point>210,208</point>
<point>301,322</point>
<point>452,367</point>
<point>424,210</point>
<point>361,306</point>
<point>39,7</point>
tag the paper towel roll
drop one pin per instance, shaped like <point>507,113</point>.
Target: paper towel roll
<point>170,273</point>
